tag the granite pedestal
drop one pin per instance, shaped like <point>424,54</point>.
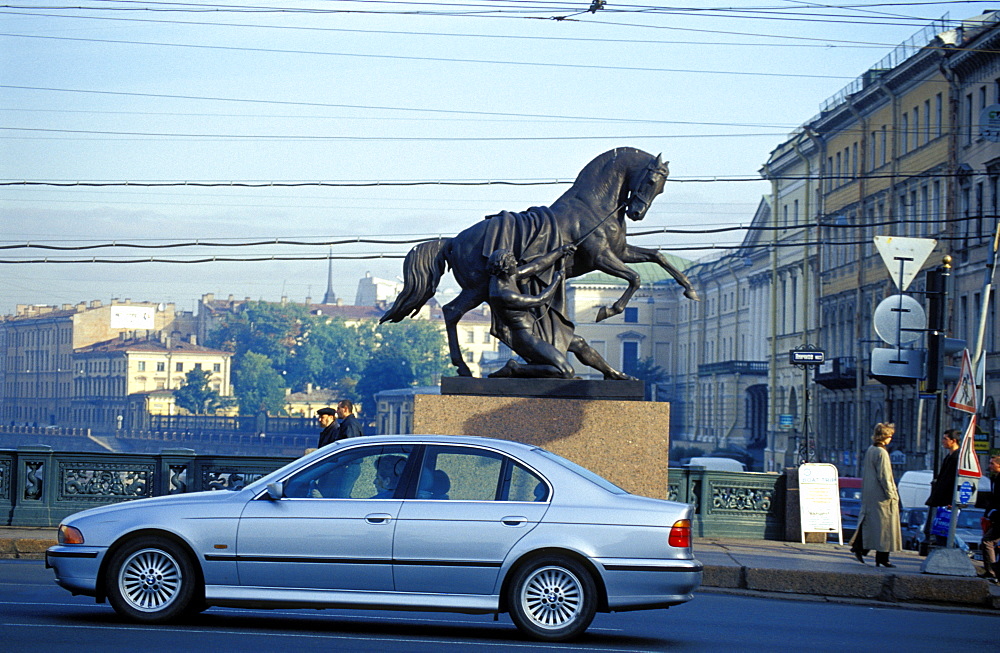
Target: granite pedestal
<point>625,441</point>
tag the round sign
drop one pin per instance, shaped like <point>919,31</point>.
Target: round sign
<point>899,319</point>
<point>965,492</point>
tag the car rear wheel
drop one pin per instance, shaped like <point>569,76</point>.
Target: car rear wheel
<point>552,598</point>
<point>151,580</point>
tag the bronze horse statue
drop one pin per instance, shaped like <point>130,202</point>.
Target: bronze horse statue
<point>618,184</point>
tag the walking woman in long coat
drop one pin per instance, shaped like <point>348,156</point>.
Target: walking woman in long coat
<point>878,523</point>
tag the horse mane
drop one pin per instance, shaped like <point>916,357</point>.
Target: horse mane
<point>595,174</point>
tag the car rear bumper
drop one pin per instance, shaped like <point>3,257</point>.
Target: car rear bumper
<point>635,584</point>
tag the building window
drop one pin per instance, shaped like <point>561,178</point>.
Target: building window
<point>161,367</point>
<point>141,366</point>
<point>197,366</point>
<point>631,314</point>
<point>216,367</point>
<point>179,367</point>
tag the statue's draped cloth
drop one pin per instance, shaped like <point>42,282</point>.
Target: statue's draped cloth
<point>530,234</point>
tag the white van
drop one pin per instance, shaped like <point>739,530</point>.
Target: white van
<point>717,464</point>
<point>915,486</point>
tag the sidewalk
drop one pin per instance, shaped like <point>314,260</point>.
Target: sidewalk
<point>816,570</point>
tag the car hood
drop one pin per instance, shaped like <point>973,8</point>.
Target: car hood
<point>154,505</point>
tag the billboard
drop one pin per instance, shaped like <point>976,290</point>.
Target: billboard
<point>132,317</point>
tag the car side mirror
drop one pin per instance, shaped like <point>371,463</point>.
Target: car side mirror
<point>275,491</point>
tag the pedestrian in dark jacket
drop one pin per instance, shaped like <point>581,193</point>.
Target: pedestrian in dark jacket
<point>327,418</point>
<point>943,485</point>
<point>350,427</point>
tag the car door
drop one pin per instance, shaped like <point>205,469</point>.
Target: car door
<point>333,527</point>
<point>470,507</point>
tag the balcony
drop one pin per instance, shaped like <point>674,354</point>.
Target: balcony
<point>751,368</point>
<point>837,373</point>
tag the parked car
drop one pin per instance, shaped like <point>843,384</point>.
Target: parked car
<point>849,487</point>
<point>850,509</point>
<point>437,523</point>
<point>912,522</point>
<point>716,463</point>
<point>969,527</point>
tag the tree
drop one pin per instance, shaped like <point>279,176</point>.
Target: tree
<point>267,328</point>
<point>421,342</point>
<point>330,354</point>
<point>258,386</point>
<point>647,371</point>
<point>197,397</point>
<point>405,354</point>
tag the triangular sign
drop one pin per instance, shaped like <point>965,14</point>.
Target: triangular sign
<point>963,397</point>
<point>968,462</point>
<point>904,256</point>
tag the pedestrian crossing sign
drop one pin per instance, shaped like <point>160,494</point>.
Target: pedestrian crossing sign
<point>963,397</point>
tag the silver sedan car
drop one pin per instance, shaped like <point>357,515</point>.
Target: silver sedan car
<point>437,523</point>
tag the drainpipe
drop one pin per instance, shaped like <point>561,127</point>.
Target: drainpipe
<point>859,427</point>
<point>772,365</point>
<point>805,278</point>
<point>736,352</point>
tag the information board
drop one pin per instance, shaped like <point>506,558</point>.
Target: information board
<point>819,500</point>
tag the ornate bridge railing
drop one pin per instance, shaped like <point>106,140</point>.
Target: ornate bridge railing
<point>731,504</point>
<point>39,486</point>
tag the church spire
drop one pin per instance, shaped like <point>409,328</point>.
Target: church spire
<point>330,297</point>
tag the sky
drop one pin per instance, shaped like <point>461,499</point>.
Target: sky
<point>168,125</point>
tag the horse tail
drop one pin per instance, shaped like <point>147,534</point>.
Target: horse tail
<point>422,271</point>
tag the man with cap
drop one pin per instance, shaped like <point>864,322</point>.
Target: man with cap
<point>328,420</point>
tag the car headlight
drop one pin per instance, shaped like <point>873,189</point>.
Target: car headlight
<point>69,535</point>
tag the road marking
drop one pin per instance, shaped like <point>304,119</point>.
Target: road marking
<point>243,633</point>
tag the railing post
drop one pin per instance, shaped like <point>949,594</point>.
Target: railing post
<point>176,471</point>
<point>34,489</point>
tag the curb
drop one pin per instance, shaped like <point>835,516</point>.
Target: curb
<point>23,549</point>
<point>885,587</point>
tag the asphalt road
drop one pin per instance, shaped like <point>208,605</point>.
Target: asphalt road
<point>38,616</point>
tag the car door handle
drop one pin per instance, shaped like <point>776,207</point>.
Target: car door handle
<point>378,518</point>
<point>514,521</point>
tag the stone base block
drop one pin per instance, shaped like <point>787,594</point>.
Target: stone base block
<point>817,583</point>
<point>626,442</point>
<point>948,562</point>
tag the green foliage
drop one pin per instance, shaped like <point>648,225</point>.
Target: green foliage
<point>197,397</point>
<point>420,342</point>
<point>330,355</point>
<point>299,348</point>
<point>258,386</point>
<point>647,371</point>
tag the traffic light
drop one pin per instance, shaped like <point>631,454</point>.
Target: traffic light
<point>939,347</point>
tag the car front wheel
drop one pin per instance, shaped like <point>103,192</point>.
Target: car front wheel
<point>151,580</point>
<point>552,598</point>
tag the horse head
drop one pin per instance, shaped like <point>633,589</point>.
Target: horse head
<point>645,187</point>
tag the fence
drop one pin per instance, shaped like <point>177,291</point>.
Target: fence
<point>39,486</point>
<point>731,504</point>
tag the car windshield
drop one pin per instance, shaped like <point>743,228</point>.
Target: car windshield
<point>969,519</point>
<point>582,471</point>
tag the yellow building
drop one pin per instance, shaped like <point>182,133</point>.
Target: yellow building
<point>37,345</point>
<point>117,382</point>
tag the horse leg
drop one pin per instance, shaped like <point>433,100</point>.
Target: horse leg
<point>635,254</point>
<point>611,264</point>
<point>453,311</point>
<point>589,357</point>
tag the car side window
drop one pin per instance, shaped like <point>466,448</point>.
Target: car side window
<point>525,485</point>
<point>459,474</point>
<point>358,473</point>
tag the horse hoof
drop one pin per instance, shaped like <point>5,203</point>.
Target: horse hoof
<point>692,295</point>
<point>603,313</point>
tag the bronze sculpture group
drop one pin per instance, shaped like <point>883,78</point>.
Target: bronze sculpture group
<point>518,263</point>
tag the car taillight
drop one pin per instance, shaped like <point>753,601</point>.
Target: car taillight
<point>680,534</point>
<point>69,535</point>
